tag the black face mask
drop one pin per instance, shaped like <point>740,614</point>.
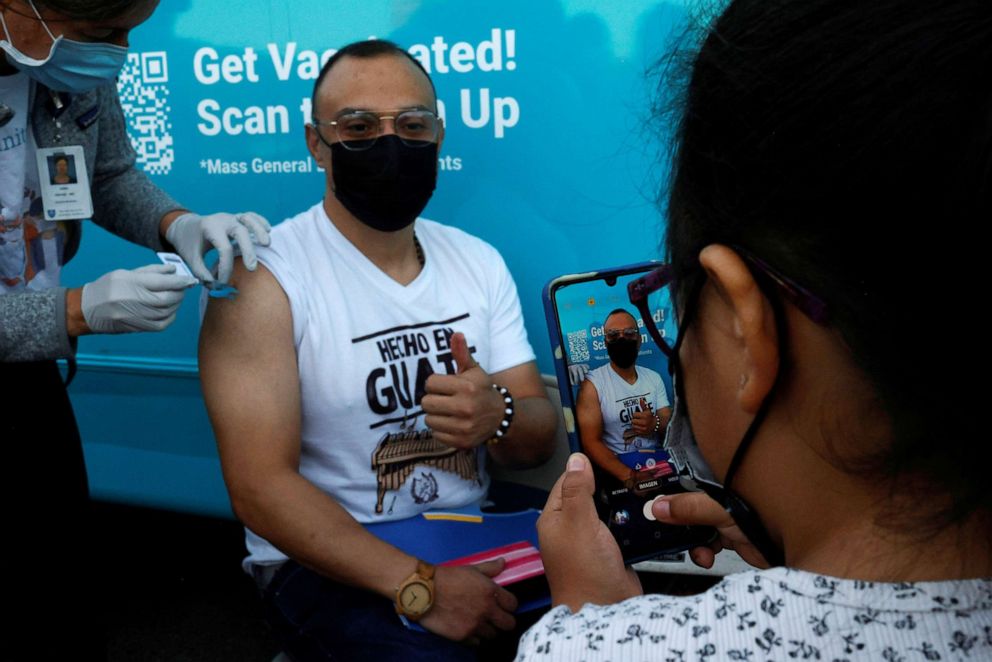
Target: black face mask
<point>387,185</point>
<point>622,352</point>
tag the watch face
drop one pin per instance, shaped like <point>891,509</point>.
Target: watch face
<point>415,598</point>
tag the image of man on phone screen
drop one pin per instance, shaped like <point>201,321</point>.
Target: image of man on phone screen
<point>622,408</point>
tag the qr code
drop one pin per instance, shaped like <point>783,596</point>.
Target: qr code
<point>144,92</point>
<point>578,346</point>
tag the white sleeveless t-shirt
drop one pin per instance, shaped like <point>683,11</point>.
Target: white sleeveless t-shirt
<point>619,400</point>
<point>365,345</point>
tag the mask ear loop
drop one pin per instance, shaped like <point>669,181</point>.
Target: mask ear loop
<point>10,40</point>
<point>759,416</point>
<point>40,20</point>
<point>743,515</point>
<point>754,529</point>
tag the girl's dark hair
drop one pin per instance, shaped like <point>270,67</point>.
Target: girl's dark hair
<point>93,10</point>
<point>849,144</point>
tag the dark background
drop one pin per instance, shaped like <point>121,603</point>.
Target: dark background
<point>175,590</point>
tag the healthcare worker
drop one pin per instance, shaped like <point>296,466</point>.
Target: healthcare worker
<point>65,156</point>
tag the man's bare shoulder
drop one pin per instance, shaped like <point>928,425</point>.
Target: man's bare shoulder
<point>259,313</point>
<point>588,394</point>
<point>248,364</point>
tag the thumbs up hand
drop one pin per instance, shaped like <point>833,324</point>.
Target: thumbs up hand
<point>643,422</point>
<point>463,409</point>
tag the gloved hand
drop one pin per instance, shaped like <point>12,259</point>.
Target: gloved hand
<point>144,299</point>
<point>193,235</point>
<point>577,373</point>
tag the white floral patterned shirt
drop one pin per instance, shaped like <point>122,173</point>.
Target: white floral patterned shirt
<point>778,614</point>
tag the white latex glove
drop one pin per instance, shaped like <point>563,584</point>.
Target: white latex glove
<point>577,373</point>
<point>144,299</point>
<point>193,235</point>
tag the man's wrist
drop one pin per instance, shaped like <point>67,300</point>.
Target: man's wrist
<point>506,412</point>
<point>395,571</point>
<point>414,596</point>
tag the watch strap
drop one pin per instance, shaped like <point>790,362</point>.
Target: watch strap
<point>426,570</point>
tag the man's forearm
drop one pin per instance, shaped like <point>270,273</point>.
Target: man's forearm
<point>605,459</point>
<point>314,530</point>
<point>531,438</point>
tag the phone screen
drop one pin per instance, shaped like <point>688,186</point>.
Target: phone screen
<point>615,381</point>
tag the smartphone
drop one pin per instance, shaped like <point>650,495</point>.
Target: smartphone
<point>611,392</point>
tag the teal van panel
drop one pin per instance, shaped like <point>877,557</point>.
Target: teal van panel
<point>550,153</point>
<point>147,437</point>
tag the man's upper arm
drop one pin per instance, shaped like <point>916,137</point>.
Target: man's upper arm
<point>250,381</point>
<point>523,381</point>
<point>508,343</point>
<point>534,420</point>
<point>663,399</point>
<point>589,413</point>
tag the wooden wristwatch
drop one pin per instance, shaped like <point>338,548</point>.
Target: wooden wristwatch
<point>415,595</point>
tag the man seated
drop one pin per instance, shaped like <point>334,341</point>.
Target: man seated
<point>621,407</point>
<point>363,374</point>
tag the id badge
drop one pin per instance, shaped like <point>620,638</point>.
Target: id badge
<point>65,184</point>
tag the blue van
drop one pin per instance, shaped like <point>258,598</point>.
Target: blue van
<point>549,154</point>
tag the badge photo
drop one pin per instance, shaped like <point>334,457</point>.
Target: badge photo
<point>65,184</point>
